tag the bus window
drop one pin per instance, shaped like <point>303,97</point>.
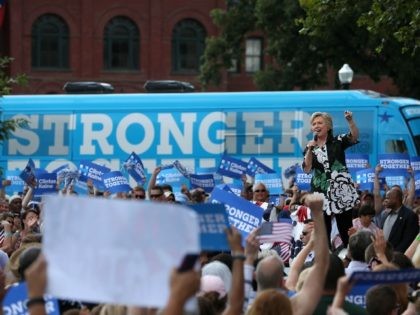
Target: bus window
<point>395,146</point>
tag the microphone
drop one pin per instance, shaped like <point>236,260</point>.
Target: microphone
<point>315,136</point>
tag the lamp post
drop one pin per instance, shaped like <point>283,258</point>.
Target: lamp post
<point>345,75</point>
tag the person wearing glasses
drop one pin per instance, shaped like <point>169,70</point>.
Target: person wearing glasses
<point>138,193</point>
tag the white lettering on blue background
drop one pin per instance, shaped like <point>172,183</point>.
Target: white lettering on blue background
<point>91,134</point>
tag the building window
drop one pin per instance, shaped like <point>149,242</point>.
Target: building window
<point>253,54</point>
<point>188,40</point>
<point>50,43</point>
<point>121,45</point>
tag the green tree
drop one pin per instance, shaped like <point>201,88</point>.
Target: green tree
<point>6,83</point>
<point>305,38</point>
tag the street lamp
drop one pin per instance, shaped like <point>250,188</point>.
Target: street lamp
<point>345,75</point>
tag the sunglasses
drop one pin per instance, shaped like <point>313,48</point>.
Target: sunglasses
<point>156,195</point>
<point>304,233</point>
<point>260,190</point>
<point>139,196</point>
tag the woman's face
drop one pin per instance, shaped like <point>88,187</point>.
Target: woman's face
<point>319,126</point>
<point>365,220</point>
<point>260,193</point>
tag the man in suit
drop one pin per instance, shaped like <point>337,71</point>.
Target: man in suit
<point>400,225</point>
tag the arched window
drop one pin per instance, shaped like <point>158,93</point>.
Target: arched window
<point>121,44</point>
<point>188,40</point>
<point>50,43</point>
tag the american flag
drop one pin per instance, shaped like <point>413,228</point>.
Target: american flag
<point>272,232</point>
<point>2,11</point>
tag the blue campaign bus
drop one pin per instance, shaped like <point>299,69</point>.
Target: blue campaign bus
<point>197,128</point>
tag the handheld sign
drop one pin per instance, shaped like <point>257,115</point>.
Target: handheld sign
<point>213,224</point>
<point>272,181</point>
<point>17,296</point>
<point>303,180</point>
<point>205,181</point>
<point>28,174</point>
<point>242,214</point>
<point>46,184</point>
<point>232,167</point>
<point>256,167</point>
<point>115,182</point>
<point>93,171</point>
<point>16,183</point>
<point>134,167</point>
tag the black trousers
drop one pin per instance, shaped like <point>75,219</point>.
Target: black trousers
<point>344,222</point>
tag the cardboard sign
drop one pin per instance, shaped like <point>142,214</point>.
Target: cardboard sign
<point>134,167</point>
<point>115,182</point>
<point>232,167</point>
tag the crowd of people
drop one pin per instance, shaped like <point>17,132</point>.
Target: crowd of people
<point>336,232</point>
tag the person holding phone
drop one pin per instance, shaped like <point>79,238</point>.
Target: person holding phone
<point>325,156</point>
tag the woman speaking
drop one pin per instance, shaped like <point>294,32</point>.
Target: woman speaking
<point>325,156</point>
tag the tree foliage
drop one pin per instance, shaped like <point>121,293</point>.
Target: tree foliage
<point>6,82</point>
<point>305,38</point>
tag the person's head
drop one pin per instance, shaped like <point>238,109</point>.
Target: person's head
<point>269,273</point>
<point>138,193</point>
<point>306,233</point>
<point>249,193</point>
<point>366,213</point>
<point>166,187</point>
<point>402,261</point>
<point>15,203</point>
<point>394,197</point>
<point>169,196</point>
<point>358,243</point>
<point>4,205</point>
<point>213,289</point>
<point>29,217</point>
<point>198,195</point>
<point>321,123</point>
<point>367,199</point>
<point>27,257</point>
<point>217,268</point>
<point>381,299</point>
<point>260,192</point>
<point>371,258</point>
<point>271,302</point>
<point>156,194</point>
<point>335,271</point>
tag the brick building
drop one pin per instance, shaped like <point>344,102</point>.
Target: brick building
<point>124,43</point>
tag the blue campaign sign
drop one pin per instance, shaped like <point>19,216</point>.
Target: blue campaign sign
<point>17,296</point>
<point>357,294</point>
<point>93,171</point>
<point>218,179</point>
<point>365,179</point>
<point>417,183</point>
<point>303,180</point>
<point>213,223</point>
<point>242,214</point>
<point>236,188</point>
<point>256,167</point>
<point>46,184</point>
<point>134,167</point>
<point>205,181</point>
<point>171,176</point>
<point>17,183</point>
<point>231,167</point>
<point>415,163</point>
<point>115,182</point>
<point>394,164</point>
<point>182,169</point>
<point>272,181</point>
<point>356,162</point>
<point>28,174</point>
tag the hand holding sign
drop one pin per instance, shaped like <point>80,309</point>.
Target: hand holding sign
<point>234,239</point>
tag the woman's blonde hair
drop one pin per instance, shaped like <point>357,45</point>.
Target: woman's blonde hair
<point>327,118</point>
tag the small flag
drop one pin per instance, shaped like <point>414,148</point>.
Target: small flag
<point>272,232</point>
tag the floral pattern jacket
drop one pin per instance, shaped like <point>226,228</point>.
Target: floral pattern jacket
<point>330,175</point>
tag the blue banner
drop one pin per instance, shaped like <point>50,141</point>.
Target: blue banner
<point>17,296</point>
<point>272,181</point>
<point>394,164</point>
<point>205,181</point>
<point>232,167</point>
<point>115,182</point>
<point>28,174</point>
<point>171,176</point>
<point>218,179</point>
<point>303,180</point>
<point>213,223</point>
<point>256,167</point>
<point>242,214</point>
<point>356,162</point>
<point>16,183</point>
<point>236,188</point>
<point>417,183</point>
<point>93,171</point>
<point>415,163</point>
<point>365,179</point>
<point>46,184</point>
<point>134,167</point>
